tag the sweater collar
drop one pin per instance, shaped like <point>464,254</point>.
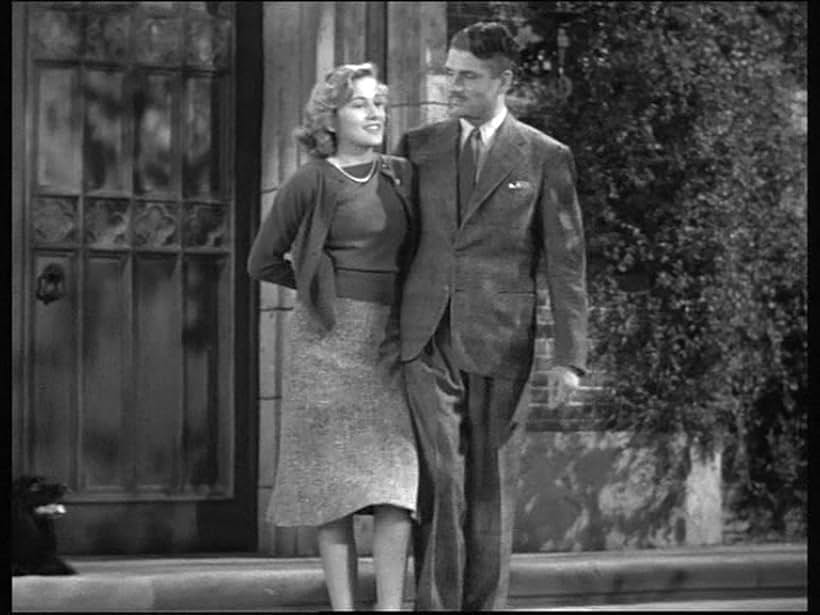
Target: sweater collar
<point>386,169</point>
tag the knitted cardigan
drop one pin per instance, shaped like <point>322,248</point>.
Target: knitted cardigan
<point>298,223</point>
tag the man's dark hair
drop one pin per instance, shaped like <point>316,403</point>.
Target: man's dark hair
<point>487,40</point>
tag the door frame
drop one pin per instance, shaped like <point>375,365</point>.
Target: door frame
<point>19,157</point>
<point>246,146</point>
<point>248,108</point>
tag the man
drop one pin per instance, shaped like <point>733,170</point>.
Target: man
<point>493,202</point>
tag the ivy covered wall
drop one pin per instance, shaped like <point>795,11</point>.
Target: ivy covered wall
<point>688,125</point>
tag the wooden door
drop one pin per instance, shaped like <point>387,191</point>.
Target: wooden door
<point>134,363</point>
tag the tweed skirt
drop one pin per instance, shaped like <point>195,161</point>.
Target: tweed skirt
<point>346,439</point>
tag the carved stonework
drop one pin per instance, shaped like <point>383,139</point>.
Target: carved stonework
<point>54,220</point>
<point>106,222</point>
<point>205,226</point>
<point>155,225</point>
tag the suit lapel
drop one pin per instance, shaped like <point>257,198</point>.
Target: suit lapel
<point>502,157</point>
<point>438,155</point>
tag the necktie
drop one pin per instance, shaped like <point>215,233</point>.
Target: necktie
<point>467,162</point>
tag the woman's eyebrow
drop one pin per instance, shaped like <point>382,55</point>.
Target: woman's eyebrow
<point>466,71</point>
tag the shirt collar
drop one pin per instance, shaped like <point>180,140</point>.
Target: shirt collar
<point>487,129</point>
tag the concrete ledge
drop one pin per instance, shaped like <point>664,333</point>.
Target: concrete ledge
<point>665,574</point>
<point>81,593</point>
<point>256,583</point>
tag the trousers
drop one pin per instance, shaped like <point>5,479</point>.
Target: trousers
<point>470,453</point>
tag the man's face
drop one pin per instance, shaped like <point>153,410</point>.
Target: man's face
<point>473,90</point>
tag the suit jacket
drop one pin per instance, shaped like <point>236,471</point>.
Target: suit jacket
<point>523,209</point>
<point>299,221</point>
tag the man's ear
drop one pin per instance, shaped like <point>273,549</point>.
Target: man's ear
<point>507,79</point>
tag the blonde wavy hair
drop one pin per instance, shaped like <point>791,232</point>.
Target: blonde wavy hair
<point>334,91</point>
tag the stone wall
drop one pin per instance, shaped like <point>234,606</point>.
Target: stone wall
<point>589,490</point>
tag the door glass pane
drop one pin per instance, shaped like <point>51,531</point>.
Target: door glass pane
<point>106,223</point>
<point>201,338</point>
<point>157,40</point>
<point>158,357</point>
<point>206,41</point>
<point>106,163</point>
<point>58,130</point>
<point>155,225</point>
<point>107,35</point>
<point>153,103</point>
<point>212,8</point>
<point>201,168</point>
<point>160,7</point>
<point>56,34</point>
<point>105,341</point>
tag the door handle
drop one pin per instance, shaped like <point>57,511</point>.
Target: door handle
<point>50,283</point>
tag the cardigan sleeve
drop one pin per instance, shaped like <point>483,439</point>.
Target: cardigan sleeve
<point>267,261</point>
<point>410,192</point>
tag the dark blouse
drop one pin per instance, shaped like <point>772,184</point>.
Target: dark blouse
<point>290,247</point>
<point>365,237</point>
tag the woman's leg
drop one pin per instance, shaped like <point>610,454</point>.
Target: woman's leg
<point>337,548</point>
<point>391,534</point>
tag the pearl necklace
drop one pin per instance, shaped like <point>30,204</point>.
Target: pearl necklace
<point>359,180</point>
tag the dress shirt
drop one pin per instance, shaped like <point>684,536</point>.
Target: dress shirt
<point>487,130</point>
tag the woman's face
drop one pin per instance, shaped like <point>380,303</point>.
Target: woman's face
<point>359,123</point>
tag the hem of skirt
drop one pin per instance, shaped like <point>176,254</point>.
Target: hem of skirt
<point>359,510</point>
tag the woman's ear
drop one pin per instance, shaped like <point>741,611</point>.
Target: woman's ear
<point>329,124</point>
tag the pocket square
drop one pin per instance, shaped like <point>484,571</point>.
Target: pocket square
<point>518,185</point>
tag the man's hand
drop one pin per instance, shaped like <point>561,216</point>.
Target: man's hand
<point>561,383</point>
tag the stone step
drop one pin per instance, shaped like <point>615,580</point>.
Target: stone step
<point>253,582</point>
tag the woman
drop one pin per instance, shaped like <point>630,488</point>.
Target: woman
<point>347,444</point>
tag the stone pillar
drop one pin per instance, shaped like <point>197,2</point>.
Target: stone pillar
<point>416,51</point>
<point>704,499</point>
<point>290,62</point>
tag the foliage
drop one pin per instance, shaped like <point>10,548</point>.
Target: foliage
<point>692,178</point>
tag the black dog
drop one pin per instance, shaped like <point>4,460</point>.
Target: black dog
<point>35,504</point>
